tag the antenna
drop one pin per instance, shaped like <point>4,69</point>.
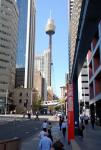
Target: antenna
<point>50,14</point>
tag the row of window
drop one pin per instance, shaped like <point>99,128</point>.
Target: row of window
<point>21,94</point>
<point>3,82</point>
<point>7,47</point>
<point>25,103</point>
<point>3,39</point>
<point>3,25</point>
<point>9,1</point>
<point>84,81</point>
<point>2,67</point>
<point>84,87</point>
<point>84,75</point>
<point>5,33</point>
<point>85,94</point>
<point>3,53</point>
<point>3,90</point>
<point>12,4</point>
<point>4,60</point>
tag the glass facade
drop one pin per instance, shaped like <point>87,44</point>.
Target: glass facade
<point>22,31</point>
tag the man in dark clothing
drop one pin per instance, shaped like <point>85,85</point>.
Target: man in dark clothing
<point>92,122</point>
<point>60,122</point>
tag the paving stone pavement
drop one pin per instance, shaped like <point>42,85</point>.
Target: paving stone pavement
<point>91,139</point>
<point>32,143</point>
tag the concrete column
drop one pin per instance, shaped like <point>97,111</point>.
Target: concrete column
<point>76,104</point>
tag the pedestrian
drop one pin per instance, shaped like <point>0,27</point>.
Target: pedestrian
<point>41,135</point>
<point>49,126</point>
<point>82,118</point>
<point>81,129</point>
<point>45,143</point>
<point>45,125</point>
<point>60,122</point>
<point>50,135</point>
<point>37,115</point>
<point>58,145</point>
<point>86,118</point>
<point>92,121</point>
<point>63,128</point>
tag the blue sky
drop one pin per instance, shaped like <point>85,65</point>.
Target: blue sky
<point>60,38</point>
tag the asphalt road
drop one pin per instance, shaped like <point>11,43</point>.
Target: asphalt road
<point>20,128</point>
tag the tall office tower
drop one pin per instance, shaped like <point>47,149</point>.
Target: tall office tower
<point>19,78</point>
<point>26,39</point>
<point>74,15</point>
<point>8,42</point>
<point>47,73</point>
<point>50,30</point>
<point>42,64</point>
<point>83,89</point>
<point>39,64</point>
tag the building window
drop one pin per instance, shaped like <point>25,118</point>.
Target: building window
<point>26,94</point>
<point>25,103</point>
<point>20,100</point>
<point>20,94</point>
<point>85,94</point>
<point>26,100</point>
<point>84,75</point>
<point>84,81</point>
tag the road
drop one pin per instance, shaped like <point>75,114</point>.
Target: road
<point>21,128</point>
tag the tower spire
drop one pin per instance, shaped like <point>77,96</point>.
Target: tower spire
<point>50,14</point>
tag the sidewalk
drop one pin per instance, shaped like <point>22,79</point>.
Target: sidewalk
<point>91,140</point>
<point>32,143</point>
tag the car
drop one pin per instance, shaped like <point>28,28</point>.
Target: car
<point>60,114</point>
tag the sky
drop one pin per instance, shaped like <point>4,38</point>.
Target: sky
<point>59,41</point>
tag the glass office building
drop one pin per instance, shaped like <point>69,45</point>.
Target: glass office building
<point>26,39</point>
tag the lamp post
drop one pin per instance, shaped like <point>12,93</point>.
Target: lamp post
<point>6,102</point>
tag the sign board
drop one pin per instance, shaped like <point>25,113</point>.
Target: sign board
<point>70,109</point>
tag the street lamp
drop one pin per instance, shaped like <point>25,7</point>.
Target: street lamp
<point>6,102</point>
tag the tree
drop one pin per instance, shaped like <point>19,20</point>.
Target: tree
<point>36,104</point>
<point>57,108</point>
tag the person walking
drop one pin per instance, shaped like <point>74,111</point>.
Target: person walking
<point>81,129</point>
<point>49,126</point>
<point>60,122</point>
<point>41,135</point>
<point>50,135</point>
<point>45,125</point>
<point>86,118</point>
<point>63,128</point>
<point>92,122</point>
<point>58,145</point>
<point>45,143</point>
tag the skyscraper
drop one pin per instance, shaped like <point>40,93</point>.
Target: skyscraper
<point>8,42</point>
<point>26,39</point>
<point>42,64</point>
<point>74,15</point>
